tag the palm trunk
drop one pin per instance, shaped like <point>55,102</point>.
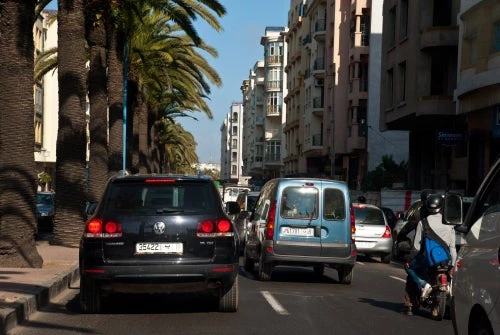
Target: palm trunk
<point>71,137</point>
<point>98,122</point>
<point>17,166</point>
<point>115,97</point>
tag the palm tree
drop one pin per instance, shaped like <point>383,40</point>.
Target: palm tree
<point>71,137</point>
<point>17,166</point>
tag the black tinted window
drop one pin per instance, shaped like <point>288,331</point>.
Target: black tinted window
<point>44,199</point>
<point>333,204</point>
<point>145,198</point>
<point>369,216</point>
<point>251,201</point>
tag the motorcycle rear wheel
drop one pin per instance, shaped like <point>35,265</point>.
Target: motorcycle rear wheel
<point>440,310</point>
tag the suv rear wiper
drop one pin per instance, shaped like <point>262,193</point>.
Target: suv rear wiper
<point>167,210</point>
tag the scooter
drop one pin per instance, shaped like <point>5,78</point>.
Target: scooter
<point>438,300</point>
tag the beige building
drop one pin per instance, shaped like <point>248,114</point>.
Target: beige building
<point>419,76</point>
<point>478,91</point>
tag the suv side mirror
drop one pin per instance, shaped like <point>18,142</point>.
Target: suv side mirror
<point>452,209</point>
<point>232,207</point>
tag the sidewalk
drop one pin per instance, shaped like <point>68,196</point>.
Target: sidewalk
<point>24,290</point>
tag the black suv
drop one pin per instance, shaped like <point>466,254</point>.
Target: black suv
<point>159,234</point>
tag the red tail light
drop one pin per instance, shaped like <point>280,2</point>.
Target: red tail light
<point>443,280</point>
<point>387,232</point>
<point>271,217</point>
<point>96,228</point>
<point>214,228</point>
<point>353,223</point>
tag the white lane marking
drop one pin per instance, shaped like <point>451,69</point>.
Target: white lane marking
<point>360,263</point>
<point>274,303</point>
<point>397,278</point>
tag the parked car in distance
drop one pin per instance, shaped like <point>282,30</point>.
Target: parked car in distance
<point>159,234</point>
<point>246,202</point>
<point>231,192</point>
<point>475,304</point>
<point>390,216</point>
<point>304,222</point>
<point>373,235</point>
<point>45,209</point>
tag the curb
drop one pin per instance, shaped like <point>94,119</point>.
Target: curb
<point>21,310</point>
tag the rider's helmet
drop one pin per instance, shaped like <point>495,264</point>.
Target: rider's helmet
<point>434,203</point>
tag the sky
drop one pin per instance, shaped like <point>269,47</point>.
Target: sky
<point>239,48</point>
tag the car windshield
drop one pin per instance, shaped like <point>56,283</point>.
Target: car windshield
<point>161,198</point>
<point>251,201</point>
<point>368,216</point>
<point>44,199</point>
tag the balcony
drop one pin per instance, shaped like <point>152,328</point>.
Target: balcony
<point>318,106</point>
<point>306,41</point>
<point>273,85</point>
<point>317,140</point>
<point>319,30</point>
<point>273,110</point>
<point>319,67</point>
<point>439,37</point>
<point>274,60</point>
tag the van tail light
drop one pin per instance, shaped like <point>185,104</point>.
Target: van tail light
<point>271,217</point>
<point>387,232</point>
<point>97,228</point>
<point>214,228</point>
<point>353,224</point>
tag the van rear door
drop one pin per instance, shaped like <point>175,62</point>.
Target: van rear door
<point>298,223</point>
<point>335,220</point>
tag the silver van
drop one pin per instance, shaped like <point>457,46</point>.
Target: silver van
<point>302,222</point>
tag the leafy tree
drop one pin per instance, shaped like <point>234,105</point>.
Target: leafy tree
<point>386,174</point>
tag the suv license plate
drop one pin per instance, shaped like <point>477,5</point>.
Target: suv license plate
<point>158,248</point>
<point>304,232</point>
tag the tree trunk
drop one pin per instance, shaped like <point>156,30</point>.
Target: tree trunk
<point>18,177</point>
<point>98,122</point>
<point>115,97</point>
<point>71,137</point>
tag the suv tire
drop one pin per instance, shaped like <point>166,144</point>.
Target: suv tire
<point>90,296</point>
<point>265,270</point>
<point>248,263</point>
<point>228,299</point>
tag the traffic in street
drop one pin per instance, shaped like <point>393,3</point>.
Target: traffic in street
<point>294,301</point>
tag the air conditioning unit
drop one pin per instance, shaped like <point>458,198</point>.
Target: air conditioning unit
<point>319,82</point>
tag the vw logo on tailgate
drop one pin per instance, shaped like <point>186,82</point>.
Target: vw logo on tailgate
<point>159,228</point>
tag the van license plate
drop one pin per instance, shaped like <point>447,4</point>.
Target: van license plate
<point>303,232</point>
<point>158,248</point>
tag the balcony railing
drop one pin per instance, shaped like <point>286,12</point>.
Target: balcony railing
<point>272,158</point>
<point>273,110</point>
<point>273,84</point>
<point>317,102</point>
<point>274,59</point>
<point>319,64</point>
<point>319,25</point>
<point>317,140</point>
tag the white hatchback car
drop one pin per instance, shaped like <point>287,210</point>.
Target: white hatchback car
<point>476,283</point>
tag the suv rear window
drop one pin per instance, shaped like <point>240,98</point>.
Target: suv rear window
<point>150,199</point>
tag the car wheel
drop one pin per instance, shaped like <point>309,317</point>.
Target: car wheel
<point>319,270</point>
<point>345,273</point>
<point>90,296</point>
<point>265,270</point>
<point>228,299</point>
<point>386,258</point>
<point>480,326</point>
<point>248,264</point>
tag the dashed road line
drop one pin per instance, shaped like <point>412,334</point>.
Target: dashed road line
<point>397,278</point>
<point>274,303</point>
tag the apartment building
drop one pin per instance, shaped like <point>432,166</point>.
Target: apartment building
<point>419,76</point>
<point>231,144</point>
<point>46,98</point>
<point>478,88</point>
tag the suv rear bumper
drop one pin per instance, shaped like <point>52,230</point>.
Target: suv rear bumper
<point>162,278</point>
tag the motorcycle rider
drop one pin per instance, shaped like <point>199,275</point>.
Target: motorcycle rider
<point>416,263</point>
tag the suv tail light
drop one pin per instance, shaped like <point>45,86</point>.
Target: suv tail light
<point>270,221</point>
<point>96,228</point>
<point>214,228</point>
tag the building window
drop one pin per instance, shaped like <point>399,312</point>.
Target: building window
<point>234,156</point>
<point>235,144</point>
<point>403,19</point>
<point>442,13</point>
<point>389,88</point>
<point>391,33</point>
<point>365,28</point>
<point>273,151</point>
<point>234,169</point>
<point>439,74</point>
<point>496,37</point>
<point>235,130</point>
<point>402,82</point>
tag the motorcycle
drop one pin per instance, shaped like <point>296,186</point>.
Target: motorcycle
<point>438,300</point>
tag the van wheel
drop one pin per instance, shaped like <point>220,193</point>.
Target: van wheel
<point>248,264</point>
<point>319,270</point>
<point>90,296</point>
<point>345,273</point>
<point>265,270</point>
<point>228,298</point>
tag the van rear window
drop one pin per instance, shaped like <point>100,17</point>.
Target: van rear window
<point>299,203</point>
<point>334,207</point>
